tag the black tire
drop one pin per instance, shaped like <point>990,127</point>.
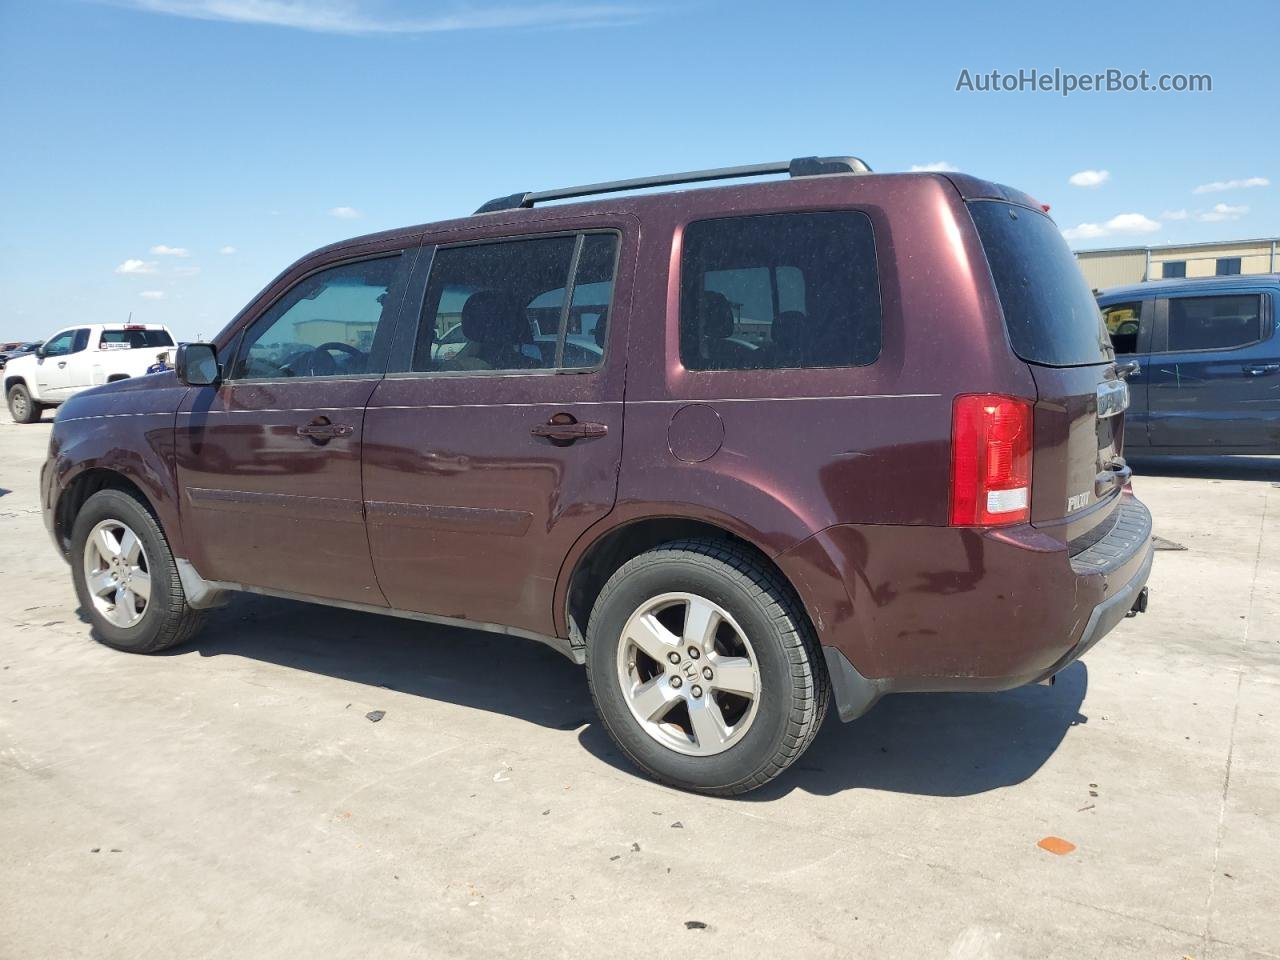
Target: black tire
<point>21,407</point>
<point>167,619</point>
<point>794,686</point>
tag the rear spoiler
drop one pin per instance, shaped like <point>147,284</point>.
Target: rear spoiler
<point>972,188</point>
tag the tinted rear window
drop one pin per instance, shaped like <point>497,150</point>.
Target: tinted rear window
<point>1049,310</point>
<point>137,339</point>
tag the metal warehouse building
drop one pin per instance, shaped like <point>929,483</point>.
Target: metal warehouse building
<point>1119,265</point>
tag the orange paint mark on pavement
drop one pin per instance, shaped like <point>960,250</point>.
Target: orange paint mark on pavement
<point>1056,845</point>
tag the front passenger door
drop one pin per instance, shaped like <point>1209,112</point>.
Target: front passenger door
<point>269,460</point>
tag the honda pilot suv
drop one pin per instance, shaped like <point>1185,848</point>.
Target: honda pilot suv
<point>740,450</point>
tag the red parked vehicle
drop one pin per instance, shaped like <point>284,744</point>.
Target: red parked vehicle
<point>737,449</point>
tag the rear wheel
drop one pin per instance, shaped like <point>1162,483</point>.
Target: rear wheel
<point>704,668</point>
<point>21,407</point>
<point>126,578</point>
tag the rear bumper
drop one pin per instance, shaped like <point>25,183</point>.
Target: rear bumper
<point>928,609</point>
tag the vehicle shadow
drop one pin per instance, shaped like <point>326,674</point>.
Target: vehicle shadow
<point>945,745</point>
<point>940,744</point>
<point>1208,468</point>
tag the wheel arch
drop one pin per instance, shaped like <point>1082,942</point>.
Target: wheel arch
<point>77,491</point>
<point>595,559</point>
<point>12,381</point>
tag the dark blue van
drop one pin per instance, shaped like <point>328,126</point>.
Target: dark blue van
<point>1208,355</point>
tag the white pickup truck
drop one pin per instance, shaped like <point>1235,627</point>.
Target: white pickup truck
<point>78,358</point>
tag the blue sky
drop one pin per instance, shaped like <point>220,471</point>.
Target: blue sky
<point>169,157</point>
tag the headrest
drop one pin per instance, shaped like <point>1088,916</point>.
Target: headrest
<point>486,318</point>
<point>716,314</point>
<point>601,331</point>
<point>788,330</point>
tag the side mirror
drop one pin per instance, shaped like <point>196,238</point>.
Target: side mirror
<point>40,351</point>
<point>197,365</point>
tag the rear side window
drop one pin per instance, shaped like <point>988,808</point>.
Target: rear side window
<point>1214,323</point>
<point>784,290</point>
<point>501,307</point>
<point>136,339</point>
<point>1049,311</point>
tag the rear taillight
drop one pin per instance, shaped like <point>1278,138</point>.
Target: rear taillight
<point>990,460</point>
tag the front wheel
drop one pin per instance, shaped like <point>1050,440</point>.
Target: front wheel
<point>21,407</point>
<point>704,667</point>
<point>126,578</point>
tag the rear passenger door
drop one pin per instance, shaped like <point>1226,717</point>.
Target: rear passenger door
<point>1215,372</point>
<point>1130,323</point>
<point>483,463</point>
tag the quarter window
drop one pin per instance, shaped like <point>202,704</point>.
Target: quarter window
<point>502,306</point>
<point>779,291</point>
<point>1214,323</point>
<point>1122,320</point>
<point>324,326</point>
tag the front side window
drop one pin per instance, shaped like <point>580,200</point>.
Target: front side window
<point>1173,269</point>
<point>1122,320</point>
<point>60,344</point>
<point>324,326</point>
<point>500,307</point>
<point>776,291</point>
<point>1214,323</point>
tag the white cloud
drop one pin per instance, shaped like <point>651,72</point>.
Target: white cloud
<point>1085,231</point>
<point>346,213</point>
<point>1174,215</point>
<point>1121,223</point>
<point>1089,178</point>
<point>227,250</point>
<point>137,266</point>
<point>355,17</point>
<point>1217,186</point>
<point>152,294</point>
<point>1222,211</point>
<point>161,250</point>
<point>938,166</point>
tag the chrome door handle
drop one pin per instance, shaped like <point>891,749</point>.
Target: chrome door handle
<point>61,364</point>
<point>1260,369</point>
<point>1126,370</point>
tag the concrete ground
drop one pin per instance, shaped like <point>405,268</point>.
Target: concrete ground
<point>230,799</point>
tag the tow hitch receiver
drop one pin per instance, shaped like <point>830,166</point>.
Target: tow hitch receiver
<point>1139,603</point>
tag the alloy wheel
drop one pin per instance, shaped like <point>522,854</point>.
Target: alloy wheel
<point>116,573</point>
<point>688,673</point>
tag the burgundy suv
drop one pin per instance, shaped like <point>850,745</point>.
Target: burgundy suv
<point>736,449</point>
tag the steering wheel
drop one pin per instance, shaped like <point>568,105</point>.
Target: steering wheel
<point>319,362</point>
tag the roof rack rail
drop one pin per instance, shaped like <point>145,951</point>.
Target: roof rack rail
<point>799,167</point>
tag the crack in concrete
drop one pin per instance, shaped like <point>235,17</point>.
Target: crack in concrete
<point>1206,937</point>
